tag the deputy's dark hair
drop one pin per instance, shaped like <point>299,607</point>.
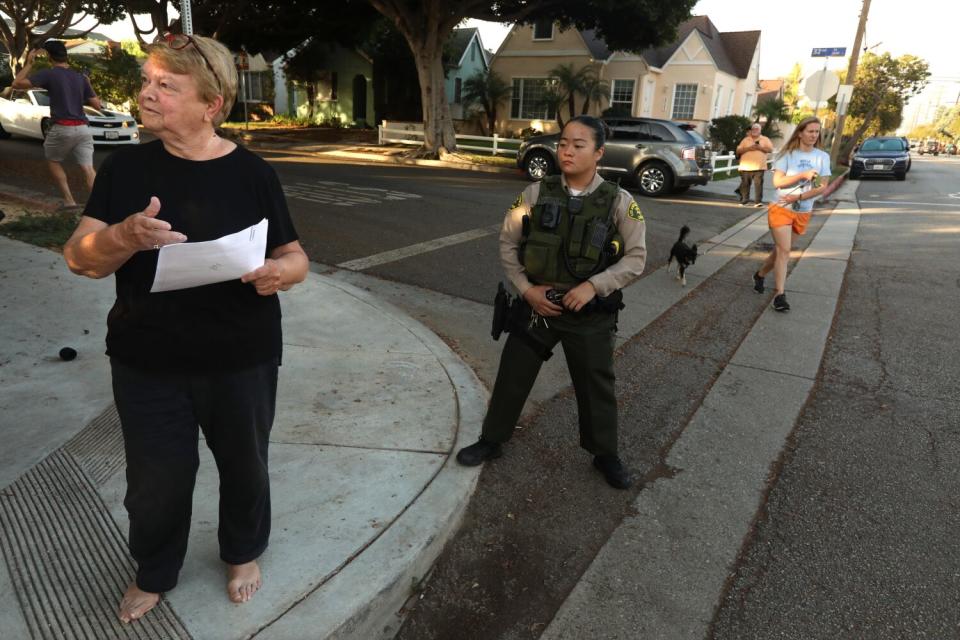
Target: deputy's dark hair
<point>596,124</point>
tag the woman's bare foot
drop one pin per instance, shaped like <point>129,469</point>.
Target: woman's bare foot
<point>136,603</point>
<point>243,580</point>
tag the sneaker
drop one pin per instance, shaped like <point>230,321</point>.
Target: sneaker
<point>613,471</point>
<point>478,452</point>
<point>780,303</point>
<point>758,282</point>
<point>758,204</point>
<point>744,203</point>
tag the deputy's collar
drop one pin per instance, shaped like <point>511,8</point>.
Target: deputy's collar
<point>596,182</point>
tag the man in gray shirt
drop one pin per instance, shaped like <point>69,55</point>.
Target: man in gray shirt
<point>68,135</point>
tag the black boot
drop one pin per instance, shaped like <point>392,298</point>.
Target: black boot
<point>478,452</point>
<point>612,469</point>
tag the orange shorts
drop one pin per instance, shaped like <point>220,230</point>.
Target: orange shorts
<point>778,216</point>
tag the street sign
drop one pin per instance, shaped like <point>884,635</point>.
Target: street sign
<point>829,52</point>
<point>844,93</point>
<point>821,86</point>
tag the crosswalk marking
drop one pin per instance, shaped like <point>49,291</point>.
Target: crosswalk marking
<point>416,249</point>
<point>343,194</point>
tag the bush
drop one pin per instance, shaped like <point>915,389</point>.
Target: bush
<point>726,132</point>
<point>616,111</point>
<point>529,132</point>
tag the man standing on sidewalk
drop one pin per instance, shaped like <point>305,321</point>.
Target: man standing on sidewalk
<point>69,91</point>
<point>753,150</point>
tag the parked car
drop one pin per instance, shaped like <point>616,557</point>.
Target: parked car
<point>929,146</point>
<point>659,156</point>
<point>881,156</point>
<point>27,113</point>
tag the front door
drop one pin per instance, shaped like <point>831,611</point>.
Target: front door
<point>649,84</point>
<point>359,98</point>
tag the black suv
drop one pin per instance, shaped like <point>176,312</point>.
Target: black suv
<point>881,156</point>
<point>660,156</point>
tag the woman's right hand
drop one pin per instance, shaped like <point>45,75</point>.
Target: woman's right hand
<point>536,297</point>
<point>809,174</point>
<point>143,232</point>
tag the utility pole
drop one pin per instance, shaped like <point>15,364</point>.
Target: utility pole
<point>851,78</point>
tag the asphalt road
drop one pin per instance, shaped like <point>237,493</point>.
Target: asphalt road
<point>443,222</point>
<point>859,535</point>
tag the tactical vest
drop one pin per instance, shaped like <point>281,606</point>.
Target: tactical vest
<point>566,248</point>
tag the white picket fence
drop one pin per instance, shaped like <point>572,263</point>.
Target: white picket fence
<point>498,144</point>
<point>387,135</point>
<point>732,167</point>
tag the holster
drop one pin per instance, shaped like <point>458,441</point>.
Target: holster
<point>510,315</point>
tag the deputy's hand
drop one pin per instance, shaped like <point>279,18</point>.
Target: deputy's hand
<point>579,296</point>
<point>143,232</point>
<point>268,279</point>
<point>536,297</point>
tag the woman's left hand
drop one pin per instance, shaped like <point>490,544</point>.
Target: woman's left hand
<point>580,295</point>
<point>267,279</point>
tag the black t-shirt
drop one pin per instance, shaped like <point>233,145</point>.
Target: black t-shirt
<point>219,326</point>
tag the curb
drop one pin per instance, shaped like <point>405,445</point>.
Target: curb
<point>29,198</point>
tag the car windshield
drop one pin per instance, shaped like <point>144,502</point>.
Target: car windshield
<point>42,98</point>
<point>882,145</point>
<point>699,139</point>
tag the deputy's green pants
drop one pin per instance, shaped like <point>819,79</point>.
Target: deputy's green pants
<point>588,341</point>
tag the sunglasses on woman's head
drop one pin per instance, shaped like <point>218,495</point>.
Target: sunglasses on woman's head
<point>177,41</point>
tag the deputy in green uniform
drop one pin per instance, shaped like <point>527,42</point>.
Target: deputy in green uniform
<point>580,239</point>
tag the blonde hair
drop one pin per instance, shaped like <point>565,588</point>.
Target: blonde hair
<point>794,142</point>
<point>219,77</point>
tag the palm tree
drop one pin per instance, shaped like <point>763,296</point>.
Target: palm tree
<point>487,89</point>
<point>773,111</point>
<point>569,82</point>
<point>553,99</point>
<point>594,90</point>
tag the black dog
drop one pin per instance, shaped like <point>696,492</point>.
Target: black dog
<point>684,254</point>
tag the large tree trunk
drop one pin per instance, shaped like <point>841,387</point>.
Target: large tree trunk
<point>438,134</point>
<point>426,28</point>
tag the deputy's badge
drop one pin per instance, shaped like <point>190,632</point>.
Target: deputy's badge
<point>634,211</point>
<point>518,201</point>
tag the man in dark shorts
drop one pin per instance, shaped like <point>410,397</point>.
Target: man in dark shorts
<point>68,135</point>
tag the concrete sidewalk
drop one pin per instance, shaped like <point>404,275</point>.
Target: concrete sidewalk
<point>370,407</point>
<point>663,571</point>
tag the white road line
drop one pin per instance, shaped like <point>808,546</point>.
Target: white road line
<point>921,204</point>
<point>416,249</point>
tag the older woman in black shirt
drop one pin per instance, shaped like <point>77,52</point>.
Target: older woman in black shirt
<point>204,357</point>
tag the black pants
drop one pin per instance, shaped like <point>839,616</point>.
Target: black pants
<point>161,415</point>
<point>746,177</point>
<point>588,342</point>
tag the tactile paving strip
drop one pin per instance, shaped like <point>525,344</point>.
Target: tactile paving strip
<point>67,558</point>
<point>99,447</point>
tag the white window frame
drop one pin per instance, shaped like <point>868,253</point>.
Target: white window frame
<point>747,102</point>
<point>733,94</point>
<point>633,93</point>
<point>673,100</point>
<point>246,84</point>
<point>717,98</point>
<point>533,27</point>
<point>547,114</point>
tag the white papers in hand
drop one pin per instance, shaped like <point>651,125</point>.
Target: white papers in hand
<point>192,264</point>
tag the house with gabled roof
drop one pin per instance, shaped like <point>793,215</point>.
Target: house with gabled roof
<point>465,56</point>
<point>703,74</point>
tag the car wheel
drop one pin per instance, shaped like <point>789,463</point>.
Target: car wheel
<point>538,165</point>
<point>45,127</point>
<point>900,175</point>
<point>654,179</point>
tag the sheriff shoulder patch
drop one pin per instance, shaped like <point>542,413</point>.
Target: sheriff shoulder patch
<point>518,201</point>
<point>634,211</point>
